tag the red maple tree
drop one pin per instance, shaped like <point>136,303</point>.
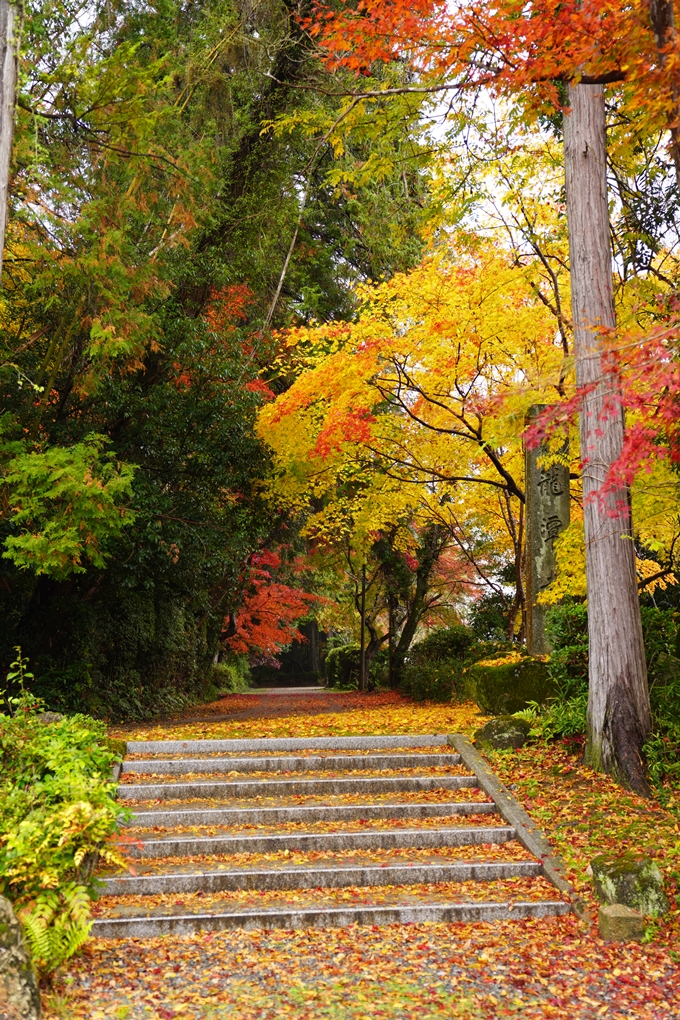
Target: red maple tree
<point>267,619</point>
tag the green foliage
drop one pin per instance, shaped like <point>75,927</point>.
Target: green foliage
<point>18,674</point>
<point>446,643</point>
<point>342,667</point>
<point>437,679</point>
<point>150,218</point>
<point>57,815</point>
<point>488,617</point>
<point>232,675</point>
<point>503,687</point>
<point>66,507</point>
<point>56,925</point>
<point>379,670</point>
<point>566,717</point>
<point>124,654</point>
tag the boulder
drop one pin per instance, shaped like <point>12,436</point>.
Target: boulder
<point>503,732</point>
<point>618,923</point>
<point>510,683</point>
<point>19,995</point>
<point>633,881</point>
<point>50,717</point>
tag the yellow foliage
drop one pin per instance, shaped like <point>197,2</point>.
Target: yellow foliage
<point>417,408</point>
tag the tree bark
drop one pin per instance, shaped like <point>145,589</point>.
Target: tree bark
<point>618,703</point>
<point>434,541</point>
<point>662,18</point>
<point>8,77</point>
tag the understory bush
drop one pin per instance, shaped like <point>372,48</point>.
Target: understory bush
<point>567,628</point>
<point>231,676</point>
<point>58,813</point>
<point>342,667</point>
<point>124,655</point>
<point>433,681</point>
<point>433,670</point>
<point>449,643</point>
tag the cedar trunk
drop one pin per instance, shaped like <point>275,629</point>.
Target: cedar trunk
<point>618,702</point>
<point>8,75</point>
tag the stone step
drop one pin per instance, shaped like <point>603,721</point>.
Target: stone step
<point>320,877</point>
<point>330,763</point>
<point>284,744</point>
<point>182,846</point>
<point>313,813</point>
<point>220,789</point>
<point>332,917</point>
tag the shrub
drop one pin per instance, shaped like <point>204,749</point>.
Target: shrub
<point>489,617</point>
<point>567,628</point>
<point>510,683</point>
<point>342,667</point>
<point>379,669</point>
<point>433,681</point>
<point>58,813</point>
<point>231,676</point>
<point>449,643</point>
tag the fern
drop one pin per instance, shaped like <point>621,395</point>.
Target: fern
<point>56,925</point>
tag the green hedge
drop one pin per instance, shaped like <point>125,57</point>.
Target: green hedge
<point>232,676</point>
<point>448,643</point>
<point>342,666</point>
<point>433,681</point>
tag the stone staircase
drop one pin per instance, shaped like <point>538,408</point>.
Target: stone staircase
<point>325,831</point>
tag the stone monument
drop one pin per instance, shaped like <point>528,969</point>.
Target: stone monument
<point>547,514</point>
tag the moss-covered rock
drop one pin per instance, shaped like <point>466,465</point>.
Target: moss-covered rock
<point>507,684</point>
<point>633,881</point>
<point>618,923</point>
<point>503,732</point>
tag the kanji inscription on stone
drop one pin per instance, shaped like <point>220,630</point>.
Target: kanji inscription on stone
<point>547,514</point>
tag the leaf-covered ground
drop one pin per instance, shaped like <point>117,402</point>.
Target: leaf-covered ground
<point>557,967</point>
<point>312,715</point>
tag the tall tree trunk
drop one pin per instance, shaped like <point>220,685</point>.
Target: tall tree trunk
<point>429,552</point>
<point>618,702</point>
<point>8,77</point>
<point>662,18</point>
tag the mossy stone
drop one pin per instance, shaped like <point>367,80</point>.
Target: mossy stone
<point>503,732</point>
<point>50,717</point>
<point>618,923</point>
<point>633,881</point>
<point>506,687</point>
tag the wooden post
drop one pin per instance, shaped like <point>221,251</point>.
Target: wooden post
<point>618,704</point>
<point>8,77</point>
<point>362,654</point>
<point>547,514</point>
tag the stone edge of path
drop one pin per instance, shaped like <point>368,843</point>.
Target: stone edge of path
<point>325,918</point>
<point>285,744</point>
<point>528,833</point>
